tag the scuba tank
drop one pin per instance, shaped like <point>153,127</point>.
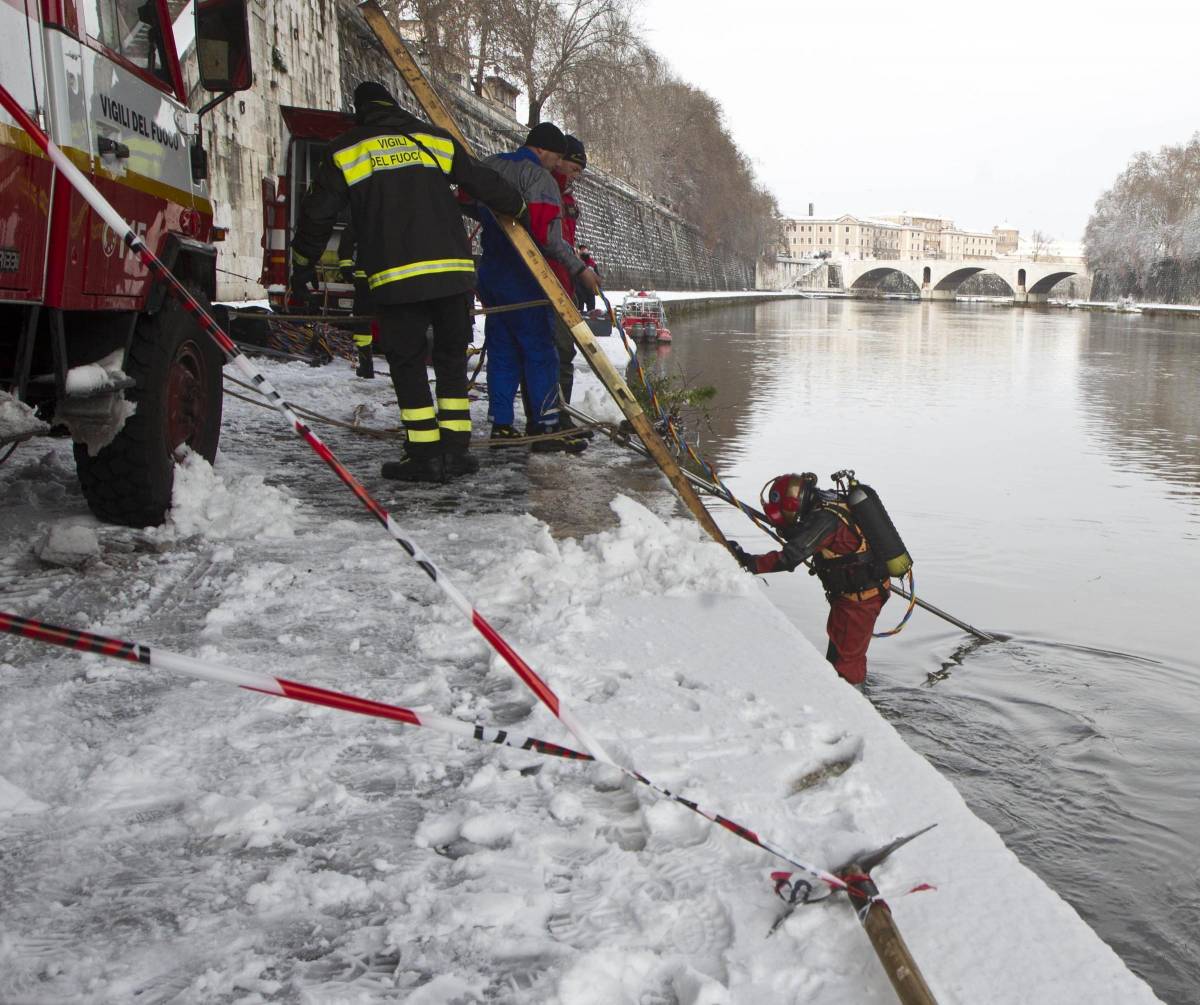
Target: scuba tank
<point>882,537</point>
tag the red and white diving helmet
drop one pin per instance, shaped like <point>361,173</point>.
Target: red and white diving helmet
<point>787,498</point>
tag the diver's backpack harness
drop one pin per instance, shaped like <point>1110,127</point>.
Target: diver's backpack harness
<point>881,555</point>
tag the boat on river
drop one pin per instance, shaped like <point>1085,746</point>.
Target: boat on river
<point>643,317</point>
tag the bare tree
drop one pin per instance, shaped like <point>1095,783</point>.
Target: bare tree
<point>581,60</point>
<point>549,41</point>
<point>482,29</point>
<point>1041,244</point>
<point>435,17</point>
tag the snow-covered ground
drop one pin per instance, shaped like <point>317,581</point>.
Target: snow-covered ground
<point>166,840</point>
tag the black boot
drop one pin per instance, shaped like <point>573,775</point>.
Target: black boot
<point>366,362</point>
<point>415,469</point>
<point>567,444</point>
<point>505,433</point>
<point>459,463</point>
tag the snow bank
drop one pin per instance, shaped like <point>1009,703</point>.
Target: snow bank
<point>207,504</point>
<point>683,668</point>
<point>17,420</point>
<point>212,844</point>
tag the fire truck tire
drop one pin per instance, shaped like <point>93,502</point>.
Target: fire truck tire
<point>179,396</point>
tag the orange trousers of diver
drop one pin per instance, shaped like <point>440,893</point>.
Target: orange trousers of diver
<point>849,628</point>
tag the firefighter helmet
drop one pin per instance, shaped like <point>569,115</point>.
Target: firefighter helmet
<point>788,498</point>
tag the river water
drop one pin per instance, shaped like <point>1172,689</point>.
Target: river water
<point>1043,468</point>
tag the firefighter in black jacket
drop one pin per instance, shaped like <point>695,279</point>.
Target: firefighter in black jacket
<point>396,172</point>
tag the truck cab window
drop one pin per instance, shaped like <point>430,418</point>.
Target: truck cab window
<point>130,28</point>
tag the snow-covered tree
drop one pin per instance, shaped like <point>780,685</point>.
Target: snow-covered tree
<point>1150,215</point>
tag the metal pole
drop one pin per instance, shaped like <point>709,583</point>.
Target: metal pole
<point>984,636</point>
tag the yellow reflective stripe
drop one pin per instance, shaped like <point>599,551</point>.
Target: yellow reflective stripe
<point>421,269</point>
<point>463,404</point>
<point>345,263</point>
<point>298,258</point>
<point>441,148</point>
<point>363,339</point>
<point>423,435</point>
<point>455,425</point>
<point>384,153</point>
<point>417,414</point>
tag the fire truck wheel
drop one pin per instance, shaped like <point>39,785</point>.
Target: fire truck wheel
<point>178,372</point>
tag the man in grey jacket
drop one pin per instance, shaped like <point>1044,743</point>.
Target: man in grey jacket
<point>521,343</point>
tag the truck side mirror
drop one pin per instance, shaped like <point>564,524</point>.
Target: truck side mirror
<point>223,45</point>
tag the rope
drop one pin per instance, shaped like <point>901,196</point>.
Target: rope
<point>394,433</point>
<point>346,319</point>
<point>478,366</point>
<point>912,604</point>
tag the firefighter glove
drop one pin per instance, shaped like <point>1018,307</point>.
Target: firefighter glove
<point>746,561</point>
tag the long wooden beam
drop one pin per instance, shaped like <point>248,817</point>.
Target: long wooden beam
<point>889,945</point>
<point>439,115</point>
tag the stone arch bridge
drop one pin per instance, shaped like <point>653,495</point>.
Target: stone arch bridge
<point>939,278</point>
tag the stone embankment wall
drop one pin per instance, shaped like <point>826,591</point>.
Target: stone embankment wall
<point>636,241</point>
<point>1167,281</point>
<point>797,274</point>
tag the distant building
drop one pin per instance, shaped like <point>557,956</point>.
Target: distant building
<point>501,93</point>
<point>944,240</point>
<point>850,237</point>
<point>1008,239</point>
<point>901,236</point>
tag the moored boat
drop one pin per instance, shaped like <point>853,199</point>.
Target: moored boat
<point>643,317</point>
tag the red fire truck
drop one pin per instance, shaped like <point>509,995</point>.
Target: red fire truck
<point>87,339</point>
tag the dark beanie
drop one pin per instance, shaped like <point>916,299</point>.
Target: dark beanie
<point>547,136</point>
<point>575,152</point>
<point>371,92</point>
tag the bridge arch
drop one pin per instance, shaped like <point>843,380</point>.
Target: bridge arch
<point>984,283</point>
<point>1049,281</point>
<point>953,280</point>
<point>873,278</point>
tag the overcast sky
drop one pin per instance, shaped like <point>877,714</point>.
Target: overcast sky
<point>1017,111</point>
